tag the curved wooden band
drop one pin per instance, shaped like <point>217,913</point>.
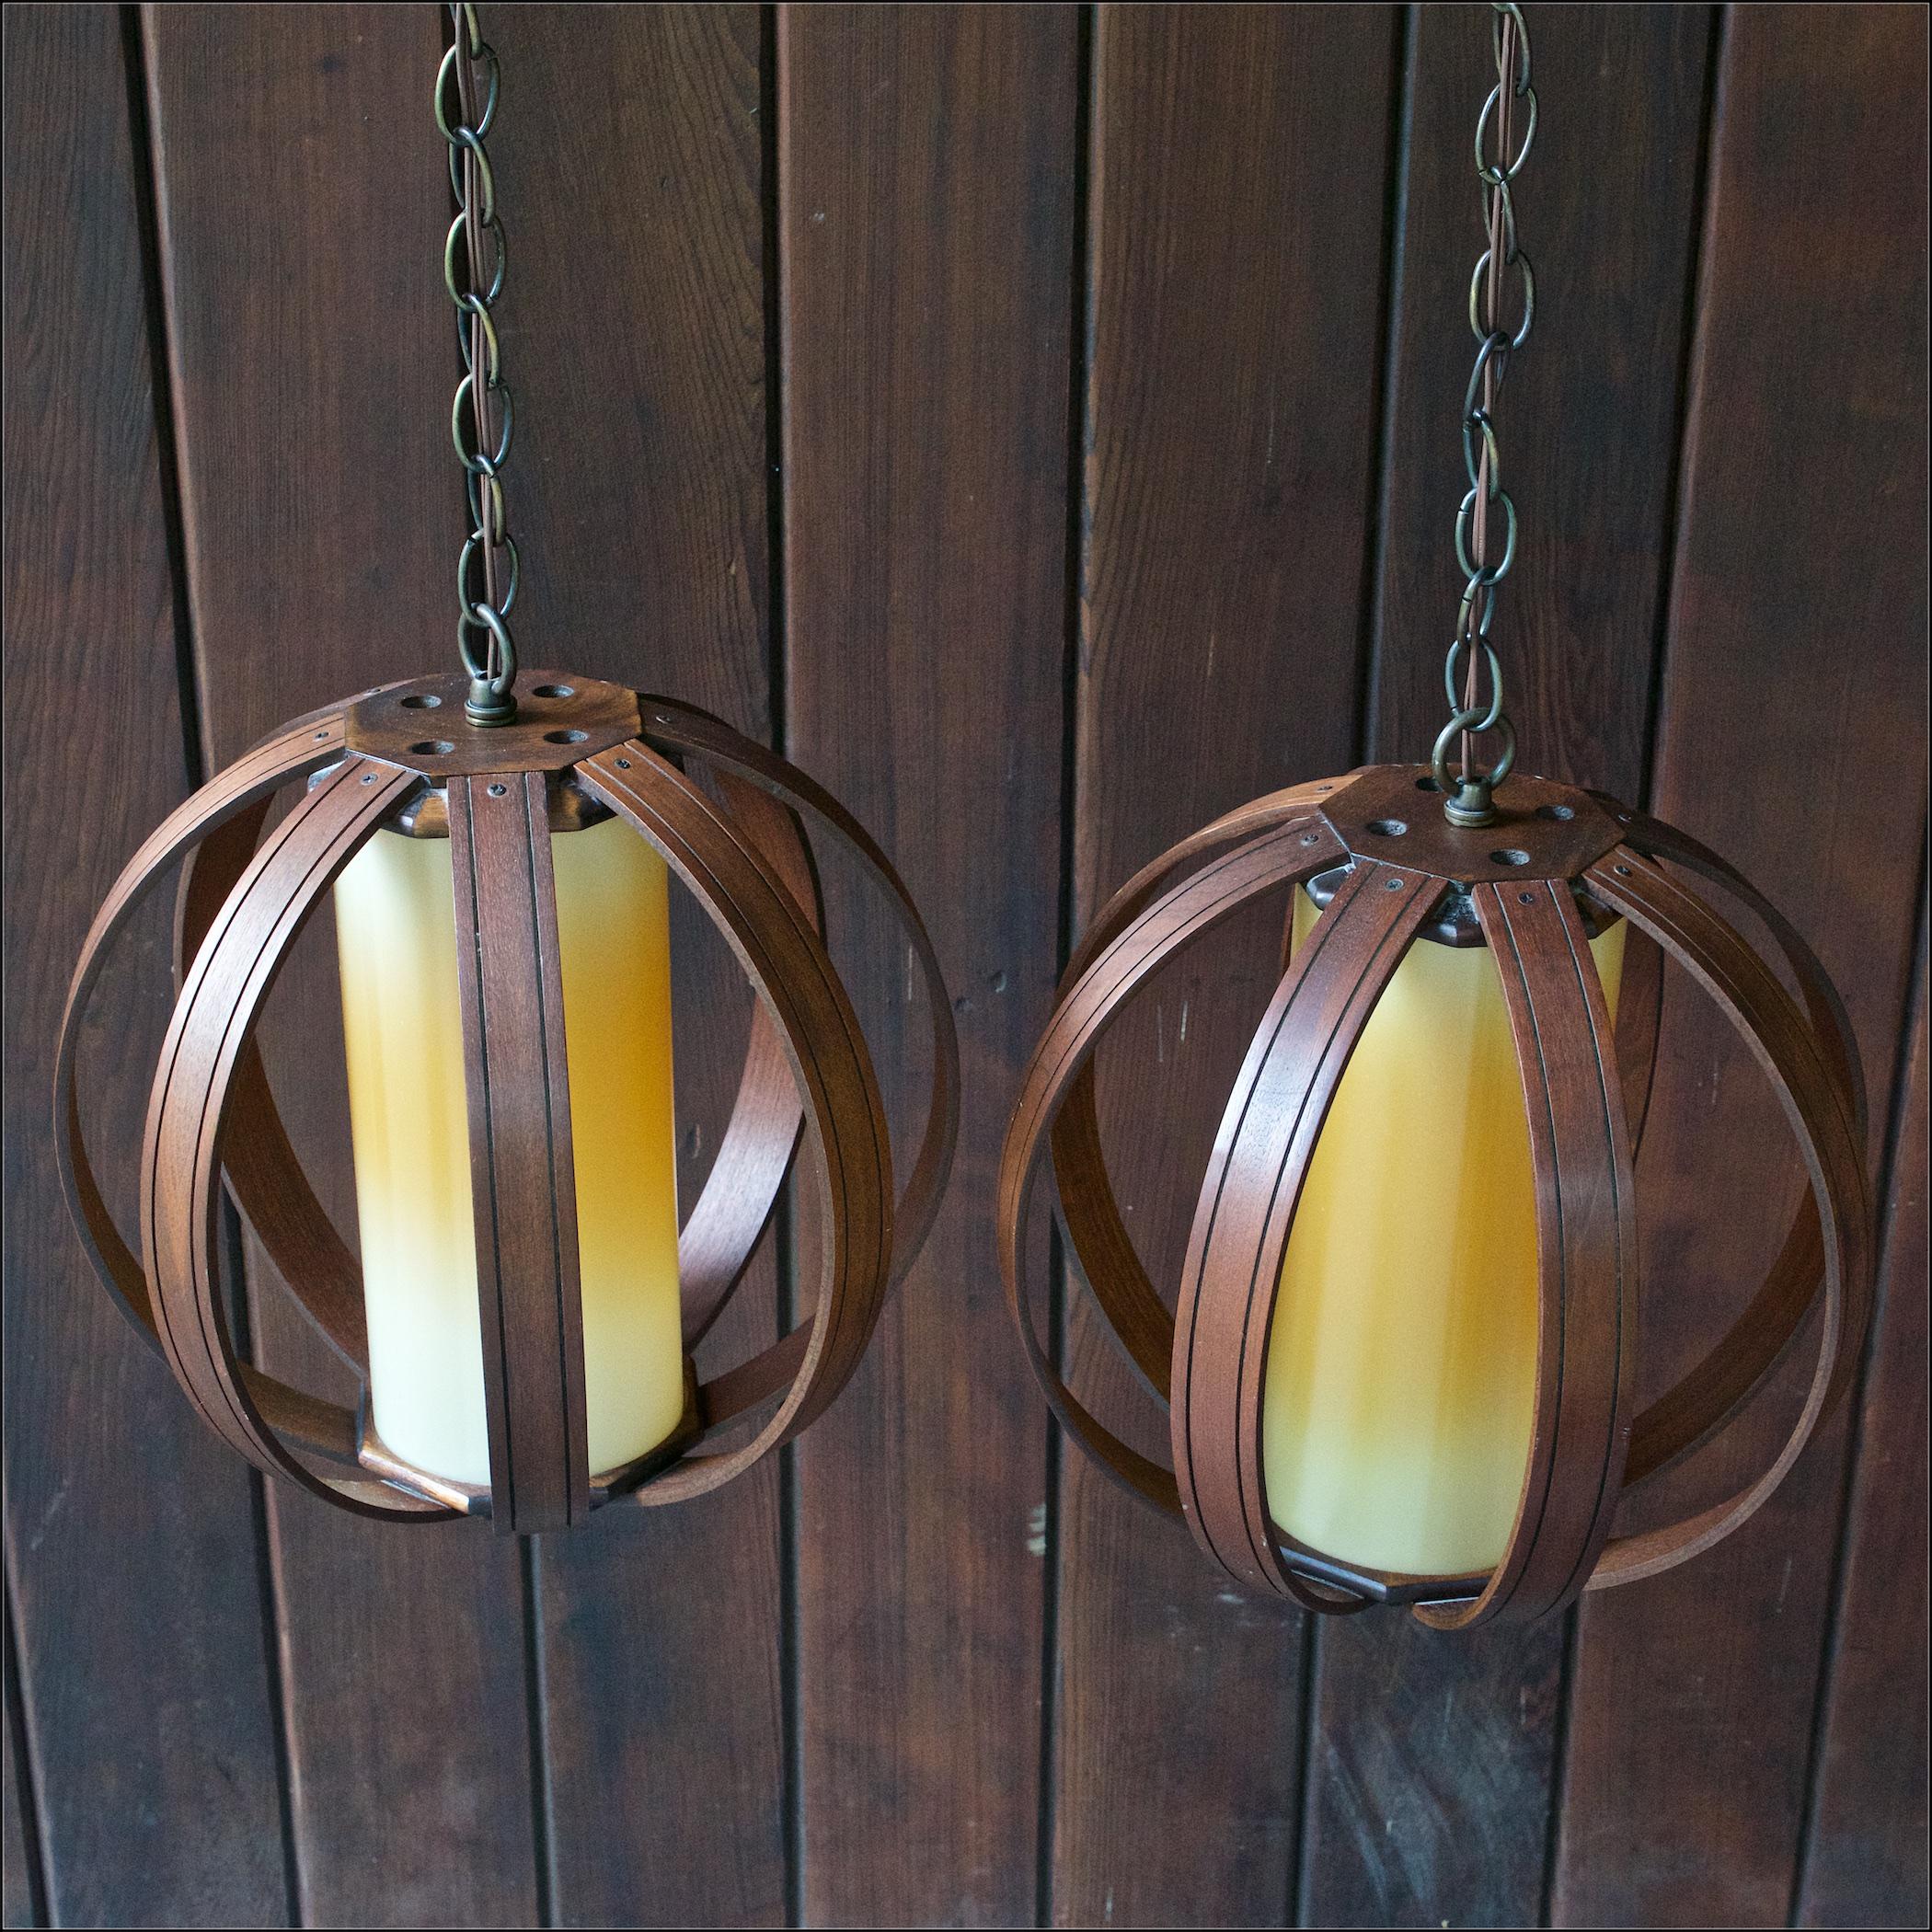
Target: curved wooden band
<point>266,1179</point>
<point>1136,1318</point>
<point>319,1429</point>
<point>1586,1255</point>
<point>189,1112</point>
<point>793,976</point>
<point>1266,1141</point>
<point>1291,849</point>
<point>761,1138</point>
<point>1800,1066</point>
<point>686,728</point>
<point>523,1175</point>
<point>1690,1413</point>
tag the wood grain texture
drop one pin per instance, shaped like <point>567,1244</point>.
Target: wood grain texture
<point>320,554</point>
<point>523,1175</point>
<point>1694,1697</point>
<point>1587,423</point>
<point>22,1893</point>
<point>628,150</point>
<point>1228,421</point>
<point>924,224</point>
<point>1865,1857</point>
<point>141,1671</point>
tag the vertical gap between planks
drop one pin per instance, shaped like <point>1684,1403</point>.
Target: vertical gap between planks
<point>542,1839</point>
<point>784,1259</point>
<point>1559,1764</point>
<point>267,1579</point>
<point>1830,1641</point>
<point>27,1781</point>
<point>1375,553</point>
<point>151,219</point>
<point>161,388</point>
<point>1676,507</point>
<point>1294,1900</point>
<point>1081,297</point>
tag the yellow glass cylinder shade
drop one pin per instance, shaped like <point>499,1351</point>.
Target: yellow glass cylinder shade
<point>409,1115</point>
<point>1401,1368</point>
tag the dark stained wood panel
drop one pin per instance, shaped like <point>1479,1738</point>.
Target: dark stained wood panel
<point>1791,740</point>
<point>1865,1853</point>
<point>925,203</point>
<point>1234,319</point>
<point>300,193</point>
<point>1122,352</point>
<point>628,150</point>
<point>1450,1818</point>
<point>131,1536</point>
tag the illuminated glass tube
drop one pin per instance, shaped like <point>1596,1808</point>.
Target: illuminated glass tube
<point>1401,1369</point>
<point>409,1115</point>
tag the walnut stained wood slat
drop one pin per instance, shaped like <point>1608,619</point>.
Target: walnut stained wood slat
<point>1690,1803</point>
<point>139,1643</point>
<point>313,570</point>
<point>1610,212</point>
<point>1224,462</point>
<point>642,518</point>
<point>923,220</point>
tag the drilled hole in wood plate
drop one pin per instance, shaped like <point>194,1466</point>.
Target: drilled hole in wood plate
<point>1509,855</point>
<point>421,701</point>
<point>1386,828</point>
<point>1554,812</point>
<point>563,737</point>
<point>432,748</point>
<point>1427,784</point>
<point>554,691</point>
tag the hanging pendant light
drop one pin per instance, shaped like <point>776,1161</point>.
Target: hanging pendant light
<point>524,1307</point>
<point>1401,1366</point>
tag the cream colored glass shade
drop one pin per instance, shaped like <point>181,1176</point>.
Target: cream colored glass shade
<point>1402,1358</point>
<point>395,938</point>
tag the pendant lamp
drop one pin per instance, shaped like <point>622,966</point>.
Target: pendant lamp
<point>1400,1367</point>
<point>525,1307</point>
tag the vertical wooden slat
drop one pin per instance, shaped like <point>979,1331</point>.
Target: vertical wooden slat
<point>1865,1859</point>
<point>1238,188</point>
<point>1449,1818</point>
<point>523,1174</point>
<point>22,1889</point>
<point>925,217</point>
<point>628,151</point>
<point>1791,741</point>
<point>299,177</point>
<point>129,1535</point>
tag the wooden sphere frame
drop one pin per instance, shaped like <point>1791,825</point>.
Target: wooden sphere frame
<point>1515,886</point>
<point>578,745</point>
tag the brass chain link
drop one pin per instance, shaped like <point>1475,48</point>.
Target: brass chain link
<point>1487,504</point>
<point>483,414</point>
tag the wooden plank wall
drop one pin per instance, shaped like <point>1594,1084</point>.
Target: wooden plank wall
<point>1041,422</point>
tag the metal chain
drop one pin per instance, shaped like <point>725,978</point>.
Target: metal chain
<point>483,414</point>
<point>1466,795</point>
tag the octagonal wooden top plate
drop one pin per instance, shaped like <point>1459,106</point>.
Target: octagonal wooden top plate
<point>561,719</point>
<point>1393,815</point>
